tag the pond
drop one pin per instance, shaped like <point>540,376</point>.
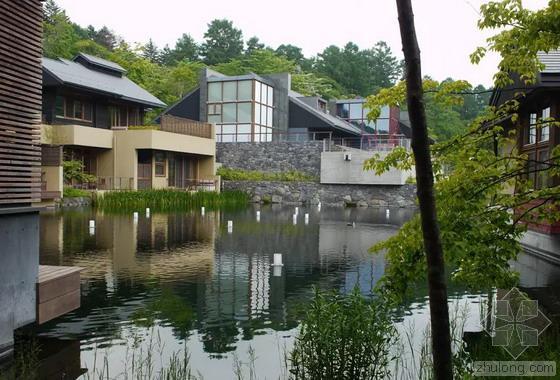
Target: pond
<point>172,281</point>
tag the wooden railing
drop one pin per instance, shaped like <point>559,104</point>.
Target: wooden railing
<point>188,127</point>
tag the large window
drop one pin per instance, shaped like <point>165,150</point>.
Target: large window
<point>356,113</point>
<point>536,146</point>
<point>69,108</point>
<point>242,110</point>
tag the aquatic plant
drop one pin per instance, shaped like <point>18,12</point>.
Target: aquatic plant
<point>170,200</point>
<point>343,337</point>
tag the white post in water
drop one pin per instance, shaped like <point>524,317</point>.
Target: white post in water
<point>306,218</point>
<point>319,206</point>
<point>202,210</point>
<point>276,271</point>
<point>92,223</point>
<point>230,226</point>
<point>294,219</point>
<point>277,259</point>
<point>147,212</point>
<point>91,231</point>
<point>258,216</point>
<point>296,211</point>
<point>135,217</point>
<point>387,213</point>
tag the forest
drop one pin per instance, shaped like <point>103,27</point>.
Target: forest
<point>170,72</point>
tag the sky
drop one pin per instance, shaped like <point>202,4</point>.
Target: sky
<point>446,29</point>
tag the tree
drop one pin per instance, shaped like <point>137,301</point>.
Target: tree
<point>360,72</point>
<point>58,36</point>
<point>253,44</point>
<point>259,62</point>
<point>437,286</point>
<point>186,49</point>
<point>151,52</point>
<point>527,32</point>
<point>50,11</point>
<point>293,53</point>
<point>222,42</point>
<point>106,38</point>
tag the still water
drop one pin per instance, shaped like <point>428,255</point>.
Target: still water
<point>182,280</point>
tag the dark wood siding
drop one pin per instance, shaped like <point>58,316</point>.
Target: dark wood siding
<point>20,101</point>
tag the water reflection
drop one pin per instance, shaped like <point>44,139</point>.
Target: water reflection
<point>185,277</point>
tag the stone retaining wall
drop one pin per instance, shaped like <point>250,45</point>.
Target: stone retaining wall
<point>272,156</point>
<point>337,195</point>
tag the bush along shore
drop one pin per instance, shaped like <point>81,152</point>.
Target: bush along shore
<point>169,200</point>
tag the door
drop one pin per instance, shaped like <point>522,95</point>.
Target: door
<point>144,169</point>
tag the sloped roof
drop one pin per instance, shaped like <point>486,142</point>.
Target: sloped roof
<point>76,74</point>
<point>326,117</point>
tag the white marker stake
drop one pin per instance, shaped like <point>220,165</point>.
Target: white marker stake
<point>92,231</point>
<point>306,218</point>
<point>230,226</point>
<point>387,213</point>
<point>202,211</point>
<point>92,223</point>
<point>258,216</point>
<point>319,206</point>
<point>296,210</point>
<point>147,212</point>
<point>135,217</point>
<point>276,271</point>
<point>294,219</point>
<point>277,259</point>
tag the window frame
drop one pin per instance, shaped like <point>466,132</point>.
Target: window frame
<point>160,164</point>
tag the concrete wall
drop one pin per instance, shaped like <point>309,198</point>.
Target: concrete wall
<point>336,195</point>
<point>53,176</point>
<point>272,157</point>
<point>335,170</point>
<point>19,237</point>
<point>77,135</point>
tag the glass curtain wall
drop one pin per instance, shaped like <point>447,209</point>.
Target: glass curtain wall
<point>242,110</point>
<point>356,113</point>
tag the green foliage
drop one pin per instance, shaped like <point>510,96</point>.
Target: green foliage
<point>229,174</point>
<point>311,84</point>
<point>523,34</point>
<point>186,49</point>
<point>169,200</point>
<point>479,232</point>
<point>222,42</point>
<point>253,44</point>
<point>73,171</point>
<point>70,192</point>
<point>258,62</point>
<point>343,337</point>
<point>360,72</point>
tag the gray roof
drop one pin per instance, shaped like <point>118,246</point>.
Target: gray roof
<point>101,62</point>
<point>551,60</point>
<point>76,74</point>
<point>326,117</point>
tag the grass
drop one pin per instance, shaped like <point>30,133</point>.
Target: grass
<point>229,174</point>
<point>70,192</point>
<point>170,200</point>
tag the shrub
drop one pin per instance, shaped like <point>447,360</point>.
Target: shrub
<point>230,174</point>
<point>74,172</point>
<point>343,337</point>
<point>70,192</point>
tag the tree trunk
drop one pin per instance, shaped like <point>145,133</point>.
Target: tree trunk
<point>439,313</point>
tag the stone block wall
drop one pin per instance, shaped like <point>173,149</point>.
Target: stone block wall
<point>335,195</point>
<point>272,157</point>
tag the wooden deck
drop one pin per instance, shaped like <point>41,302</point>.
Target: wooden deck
<point>58,291</point>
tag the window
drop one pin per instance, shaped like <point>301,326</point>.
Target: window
<point>230,113</point>
<point>215,91</point>
<point>244,112</point>
<point>356,111</point>
<point>343,110</point>
<point>159,161</point>
<point>245,90</point>
<point>73,109</point>
<point>532,130</point>
<point>542,174</point>
<point>230,91</point>
<point>545,128</point>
